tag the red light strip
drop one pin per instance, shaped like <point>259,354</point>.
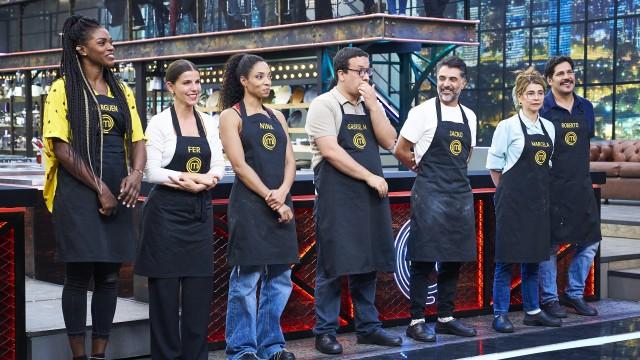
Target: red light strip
<point>480,241</point>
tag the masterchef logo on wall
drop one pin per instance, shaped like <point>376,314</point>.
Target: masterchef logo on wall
<point>401,275</point>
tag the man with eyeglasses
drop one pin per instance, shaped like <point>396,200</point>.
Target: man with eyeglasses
<point>441,133</point>
<point>346,127</point>
<point>575,218</point>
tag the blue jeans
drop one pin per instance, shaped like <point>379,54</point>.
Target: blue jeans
<point>502,287</point>
<point>244,332</point>
<point>362,288</point>
<point>577,273</point>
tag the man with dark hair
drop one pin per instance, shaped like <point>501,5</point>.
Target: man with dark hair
<point>575,218</point>
<point>441,133</point>
<point>353,220</point>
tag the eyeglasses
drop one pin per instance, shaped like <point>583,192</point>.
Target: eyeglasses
<point>363,72</point>
<point>533,94</point>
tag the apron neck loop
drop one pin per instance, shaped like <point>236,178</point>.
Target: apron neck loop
<point>439,111</point>
<point>176,123</point>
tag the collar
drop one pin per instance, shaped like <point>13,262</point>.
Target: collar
<point>550,101</point>
<point>528,123</point>
<point>342,99</point>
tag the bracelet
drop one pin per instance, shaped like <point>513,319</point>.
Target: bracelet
<point>139,172</point>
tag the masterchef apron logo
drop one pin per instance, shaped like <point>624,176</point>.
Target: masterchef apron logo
<point>540,157</point>
<point>455,147</point>
<point>570,138</point>
<point>359,141</point>
<point>269,141</point>
<point>107,123</point>
<point>194,164</point>
<point>401,275</point>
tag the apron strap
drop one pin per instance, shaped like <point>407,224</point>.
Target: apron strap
<point>199,123</point>
<point>243,110</point>
<point>524,128</point>
<point>366,112</point>
<point>174,120</point>
<point>176,124</point>
<point>465,120</point>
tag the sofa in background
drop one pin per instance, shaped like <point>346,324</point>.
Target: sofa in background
<point>620,160</point>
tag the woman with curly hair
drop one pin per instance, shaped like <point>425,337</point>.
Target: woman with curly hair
<point>262,233</point>
<point>95,159</point>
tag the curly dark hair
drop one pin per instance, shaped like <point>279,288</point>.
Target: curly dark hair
<point>83,112</point>
<point>232,90</point>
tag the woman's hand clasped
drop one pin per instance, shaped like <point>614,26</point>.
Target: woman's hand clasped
<point>130,189</point>
<point>193,182</point>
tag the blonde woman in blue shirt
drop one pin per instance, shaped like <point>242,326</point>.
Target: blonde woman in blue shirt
<point>519,164</point>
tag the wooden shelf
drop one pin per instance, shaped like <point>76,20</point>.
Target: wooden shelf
<point>288,106</point>
<point>270,106</point>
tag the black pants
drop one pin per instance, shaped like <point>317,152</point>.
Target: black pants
<point>170,337</point>
<point>447,282</point>
<point>362,288</point>
<point>103,301</point>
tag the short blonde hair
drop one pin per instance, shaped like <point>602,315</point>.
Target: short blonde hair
<point>525,78</point>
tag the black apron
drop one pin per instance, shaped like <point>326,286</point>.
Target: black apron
<point>353,224</point>
<point>522,203</point>
<point>82,233</point>
<point>575,217</point>
<point>255,235</point>
<point>177,225</point>
<point>442,214</point>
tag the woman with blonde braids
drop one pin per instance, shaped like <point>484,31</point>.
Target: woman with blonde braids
<point>519,164</point>
<point>95,161</point>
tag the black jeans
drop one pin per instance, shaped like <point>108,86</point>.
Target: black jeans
<point>103,302</point>
<point>447,282</point>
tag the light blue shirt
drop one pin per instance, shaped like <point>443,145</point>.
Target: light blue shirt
<point>508,141</point>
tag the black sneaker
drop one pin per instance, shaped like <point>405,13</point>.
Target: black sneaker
<point>283,354</point>
<point>579,305</point>
<point>554,309</point>
<point>421,332</point>
<point>502,324</point>
<point>541,319</point>
<point>454,327</point>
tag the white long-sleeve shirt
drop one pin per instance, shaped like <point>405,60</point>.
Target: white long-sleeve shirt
<point>161,146</point>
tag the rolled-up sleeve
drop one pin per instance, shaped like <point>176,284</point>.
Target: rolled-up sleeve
<point>497,155</point>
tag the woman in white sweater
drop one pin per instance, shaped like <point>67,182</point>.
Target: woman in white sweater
<point>176,254</point>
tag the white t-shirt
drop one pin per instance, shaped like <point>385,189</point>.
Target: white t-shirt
<point>422,122</point>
